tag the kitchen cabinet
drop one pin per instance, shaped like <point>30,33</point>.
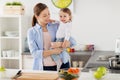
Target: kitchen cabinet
<point>81,56</point>
<point>27,62</point>
<point>12,34</point>
<point>79,59</point>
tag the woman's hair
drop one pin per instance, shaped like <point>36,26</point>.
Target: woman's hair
<point>37,10</point>
<point>67,10</point>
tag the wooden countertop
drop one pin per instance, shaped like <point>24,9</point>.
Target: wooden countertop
<point>38,76</point>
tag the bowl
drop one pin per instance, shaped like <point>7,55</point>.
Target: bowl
<point>69,74</point>
<point>11,33</point>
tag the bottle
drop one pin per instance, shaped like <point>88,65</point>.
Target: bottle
<point>26,48</point>
<point>117,46</point>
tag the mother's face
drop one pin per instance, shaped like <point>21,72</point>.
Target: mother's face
<point>44,16</point>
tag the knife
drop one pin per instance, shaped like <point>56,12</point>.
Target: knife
<point>19,73</point>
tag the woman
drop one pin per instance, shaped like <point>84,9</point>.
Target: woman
<point>40,37</point>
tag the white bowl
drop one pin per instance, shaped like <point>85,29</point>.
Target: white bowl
<point>11,33</point>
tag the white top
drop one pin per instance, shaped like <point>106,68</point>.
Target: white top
<point>64,30</point>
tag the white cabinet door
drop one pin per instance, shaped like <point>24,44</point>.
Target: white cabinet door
<point>27,62</point>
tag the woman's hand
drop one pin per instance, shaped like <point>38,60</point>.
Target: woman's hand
<point>66,44</point>
<point>57,50</point>
<point>52,51</point>
<point>56,44</point>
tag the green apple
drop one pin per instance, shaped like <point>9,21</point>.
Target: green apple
<point>97,75</point>
<point>102,69</point>
<point>2,68</point>
<point>61,3</point>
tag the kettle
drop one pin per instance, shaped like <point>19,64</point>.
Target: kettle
<point>114,62</point>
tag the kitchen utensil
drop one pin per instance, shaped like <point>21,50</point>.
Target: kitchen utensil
<point>114,62</point>
<point>11,33</point>
<point>80,64</point>
<point>117,46</point>
<point>4,54</point>
<point>89,47</point>
<point>19,73</point>
<point>75,63</point>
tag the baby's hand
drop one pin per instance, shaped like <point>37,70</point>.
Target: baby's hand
<point>51,20</point>
<point>57,50</point>
<point>66,44</point>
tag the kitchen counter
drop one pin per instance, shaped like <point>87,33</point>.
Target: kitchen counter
<point>94,59</point>
<point>9,73</point>
<point>91,59</point>
<point>83,75</point>
<point>74,53</point>
<point>95,62</point>
<point>109,76</point>
<point>75,56</point>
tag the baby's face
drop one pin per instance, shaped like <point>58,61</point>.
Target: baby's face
<point>64,17</point>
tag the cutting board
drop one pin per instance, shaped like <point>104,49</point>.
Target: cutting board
<point>38,76</point>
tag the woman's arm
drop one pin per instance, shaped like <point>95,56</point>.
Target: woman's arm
<point>33,47</point>
<point>50,52</point>
<point>35,51</point>
<point>56,44</point>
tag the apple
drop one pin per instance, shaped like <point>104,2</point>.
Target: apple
<point>72,50</point>
<point>102,69</point>
<point>68,49</point>
<point>97,75</point>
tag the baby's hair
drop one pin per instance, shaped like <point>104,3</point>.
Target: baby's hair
<point>67,10</point>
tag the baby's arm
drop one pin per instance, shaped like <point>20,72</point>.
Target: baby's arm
<point>67,35</point>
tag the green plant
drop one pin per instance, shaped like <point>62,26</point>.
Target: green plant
<point>13,4</point>
<point>8,4</point>
<point>17,4</point>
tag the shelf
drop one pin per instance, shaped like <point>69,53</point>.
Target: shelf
<point>10,58</point>
<point>15,42</point>
<point>7,37</point>
<point>11,16</point>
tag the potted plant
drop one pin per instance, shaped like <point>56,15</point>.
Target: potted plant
<point>14,8</point>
